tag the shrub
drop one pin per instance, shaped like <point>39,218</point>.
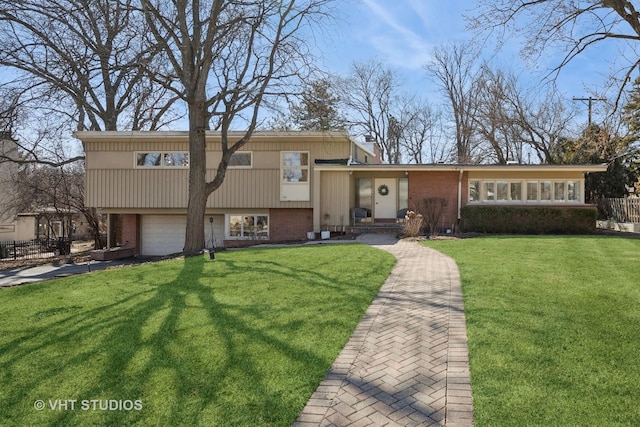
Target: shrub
<point>412,224</point>
<point>528,220</point>
<point>432,209</point>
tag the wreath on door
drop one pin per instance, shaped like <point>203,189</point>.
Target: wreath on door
<point>383,190</point>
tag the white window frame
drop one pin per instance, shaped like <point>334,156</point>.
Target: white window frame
<point>250,166</point>
<point>299,191</point>
<point>242,236</point>
<point>485,185</point>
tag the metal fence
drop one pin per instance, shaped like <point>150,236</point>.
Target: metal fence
<point>30,249</point>
<point>621,210</point>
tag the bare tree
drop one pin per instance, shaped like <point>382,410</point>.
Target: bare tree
<point>514,123</point>
<point>371,96</point>
<point>422,137</point>
<point>573,25</point>
<point>494,118</point>
<point>542,123</point>
<point>226,57</point>
<point>84,62</point>
<point>455,68</point>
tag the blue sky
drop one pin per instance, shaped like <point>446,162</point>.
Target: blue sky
<point>402,33</point>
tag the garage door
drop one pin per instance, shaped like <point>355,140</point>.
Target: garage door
<point>163,234</point>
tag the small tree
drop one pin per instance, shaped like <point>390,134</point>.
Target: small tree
<point>318,108</point>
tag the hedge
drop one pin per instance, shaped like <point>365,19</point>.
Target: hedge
<point>529,219</point>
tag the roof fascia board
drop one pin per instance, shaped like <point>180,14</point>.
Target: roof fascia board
<point>95,136</point>
<point>469,168</point>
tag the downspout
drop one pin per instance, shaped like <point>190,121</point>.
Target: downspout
<point>460,193</point>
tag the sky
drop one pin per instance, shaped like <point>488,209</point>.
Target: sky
<point>403,33</point>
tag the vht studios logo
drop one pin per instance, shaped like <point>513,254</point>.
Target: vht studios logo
<point>88,405</point>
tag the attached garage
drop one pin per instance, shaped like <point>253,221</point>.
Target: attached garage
<point>162,234</point>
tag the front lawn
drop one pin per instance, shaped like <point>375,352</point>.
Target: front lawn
<point>240,341</point>
<point>554,328</point>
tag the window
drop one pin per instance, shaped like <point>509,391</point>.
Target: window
<point>545,190</point>
<point>241,159</point>
<point>148,159</point>
<point>295,167</point>
<point>515,191</point>
<point>532,191</point>
<point>573,191</point>
<point>558,191</point>
<point>502,190</point>
<point>176,159</point>
<point>294,173</point>
<point>162,160</point>
<point>489,192</point>
<point>524,191</point>
<point>474,191</point>
<point>363,193</point>
<point>403,193</point>
<point>248,227</point>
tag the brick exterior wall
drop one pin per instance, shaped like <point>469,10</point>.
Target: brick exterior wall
<point>290,224</point>
<point>131,231</point>
<point>285,225</point>
<point>443,184</point>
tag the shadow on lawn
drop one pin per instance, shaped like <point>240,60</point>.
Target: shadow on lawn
<point>152,351</point>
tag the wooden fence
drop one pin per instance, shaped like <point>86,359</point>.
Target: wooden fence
<point>621,210</point>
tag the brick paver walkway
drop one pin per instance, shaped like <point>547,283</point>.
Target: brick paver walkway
<point>406,364</point>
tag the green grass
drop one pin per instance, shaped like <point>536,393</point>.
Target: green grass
<point>553,327</point>
<point>240,341</point>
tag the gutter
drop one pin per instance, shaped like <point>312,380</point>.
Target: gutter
<point>460,193</point>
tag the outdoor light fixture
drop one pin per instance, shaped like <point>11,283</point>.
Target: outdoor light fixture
<point>212,254</point>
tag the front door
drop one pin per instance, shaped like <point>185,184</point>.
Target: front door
<point>386,198</point>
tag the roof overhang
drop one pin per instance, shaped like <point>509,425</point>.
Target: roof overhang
<point>464,168</point>
<point>128,136</point>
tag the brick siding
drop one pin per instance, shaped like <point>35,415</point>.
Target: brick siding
<point>290,224</point>
<point>131,231</point>
<point>285,225</point>
<point>442,184</point>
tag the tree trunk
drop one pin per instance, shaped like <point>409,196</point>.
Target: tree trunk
<point>198,195</point>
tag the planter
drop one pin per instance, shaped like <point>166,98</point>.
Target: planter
<point>111,254</point>
<point>324,235</point>
<point>311,235</point>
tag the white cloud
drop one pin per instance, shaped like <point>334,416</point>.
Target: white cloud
<point>393,35</point>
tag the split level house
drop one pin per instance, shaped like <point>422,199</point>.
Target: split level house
<point>282,185</point>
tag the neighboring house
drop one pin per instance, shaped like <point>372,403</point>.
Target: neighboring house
<point>282,185</point>
<point>8,223</point>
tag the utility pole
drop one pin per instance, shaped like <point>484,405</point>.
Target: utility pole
<point>589,103</point>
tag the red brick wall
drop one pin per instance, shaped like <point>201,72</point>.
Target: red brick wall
<point>443,184</point>
<point>290,224</point>
<point>131,231</point>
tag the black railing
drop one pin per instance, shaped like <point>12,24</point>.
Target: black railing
<point>30,249</point>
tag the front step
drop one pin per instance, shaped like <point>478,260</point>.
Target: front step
<point>383,228</point>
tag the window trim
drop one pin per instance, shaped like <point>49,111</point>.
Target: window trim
<point>227,226</point>
<point>250,166</point>
<point>307,167</point>
<point>491,185</point>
